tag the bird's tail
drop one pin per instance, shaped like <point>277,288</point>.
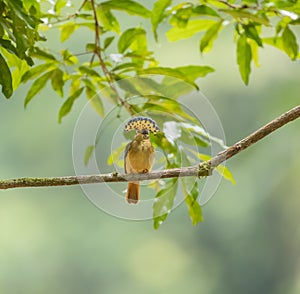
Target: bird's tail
<point>133,192</point>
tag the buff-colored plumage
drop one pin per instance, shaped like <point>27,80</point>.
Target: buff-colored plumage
<point>139,153</point>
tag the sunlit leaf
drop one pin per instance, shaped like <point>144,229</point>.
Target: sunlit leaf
<point>193,27</point>
<point>158,14</point>
<point>37,86</point>
<point>95,100</point>
<point>67,106</point>
<point>88,71</point>
<point>66,30</point>
<point>209,37</point>
<point>244,57</point>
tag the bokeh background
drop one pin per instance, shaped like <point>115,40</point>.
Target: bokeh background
<point>53,240</point>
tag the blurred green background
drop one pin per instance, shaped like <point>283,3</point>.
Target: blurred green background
<point>53,240</point>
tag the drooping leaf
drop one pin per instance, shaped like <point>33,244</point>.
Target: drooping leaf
<point>88,153</point>
<point>107,42</point>
<point>57,81</point>
<point>209,37</point>
<point>88,71</point>
<point>67,106</point>
<point>244,57</point>
<point>290,45</point>
<point>193,27</point>
<point>191,195</point>
<point>37,86</point>
<point>5,78</point>
<point>158,14</point>
<point>163,202</point>
<point>251,32</point>
<point>95,100</point>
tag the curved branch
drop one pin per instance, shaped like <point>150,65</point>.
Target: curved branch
<point>204,169</point>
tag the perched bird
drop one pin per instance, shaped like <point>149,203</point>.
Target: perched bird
<point>139,153</point>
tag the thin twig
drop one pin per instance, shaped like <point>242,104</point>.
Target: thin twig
<point>105,70</point>
<point>202,170</point>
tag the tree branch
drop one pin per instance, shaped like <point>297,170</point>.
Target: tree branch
<point>204,169</point>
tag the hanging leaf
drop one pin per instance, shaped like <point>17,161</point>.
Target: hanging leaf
<point>163,202</point>
<point>158,14</point>
<point>5,78</point>
<point>88,153</point>
<point>290,45</point>
<point>37,86</point>
<point>244,57</point>
<point>209,37</point>
<point>131,36</point>
<point>57,81</point>
<point>67,106</point>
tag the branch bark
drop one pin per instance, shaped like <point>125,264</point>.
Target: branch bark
<point>204,169</point>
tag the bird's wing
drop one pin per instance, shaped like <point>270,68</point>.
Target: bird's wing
<point>125,155</point>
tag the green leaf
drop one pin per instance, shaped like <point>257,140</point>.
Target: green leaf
<point>167,71</point>
<point>67,106</point>
<point>107,19</point>
<point>225,173</point>
<point>247,15</point>
<point>195,71</point>
<point>37,86</point>
<point>221,169</point>
<point>37,70</point>
<point>290,45</point>
<point>107,42</point>
<point>193,27</point>
<point>88,153</point>
<point>95,100</point>
<point>254,52</point>
<point>158,14</point>
<point>131,7</point>
<point>191,195</point>
<point>5,78</point>
<point>244,57</point>
<point>163,202</point>
<point>88,71</point>
<point>42,54</point>
<point>251,32</point>
<point>115,155</point>
<point>67,30</point>
<point>209,37</point>
<point>57,81</point>
<point>131,36</point>
<point>205,10</point>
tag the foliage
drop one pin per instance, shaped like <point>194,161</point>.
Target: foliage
<point>70,74</point>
